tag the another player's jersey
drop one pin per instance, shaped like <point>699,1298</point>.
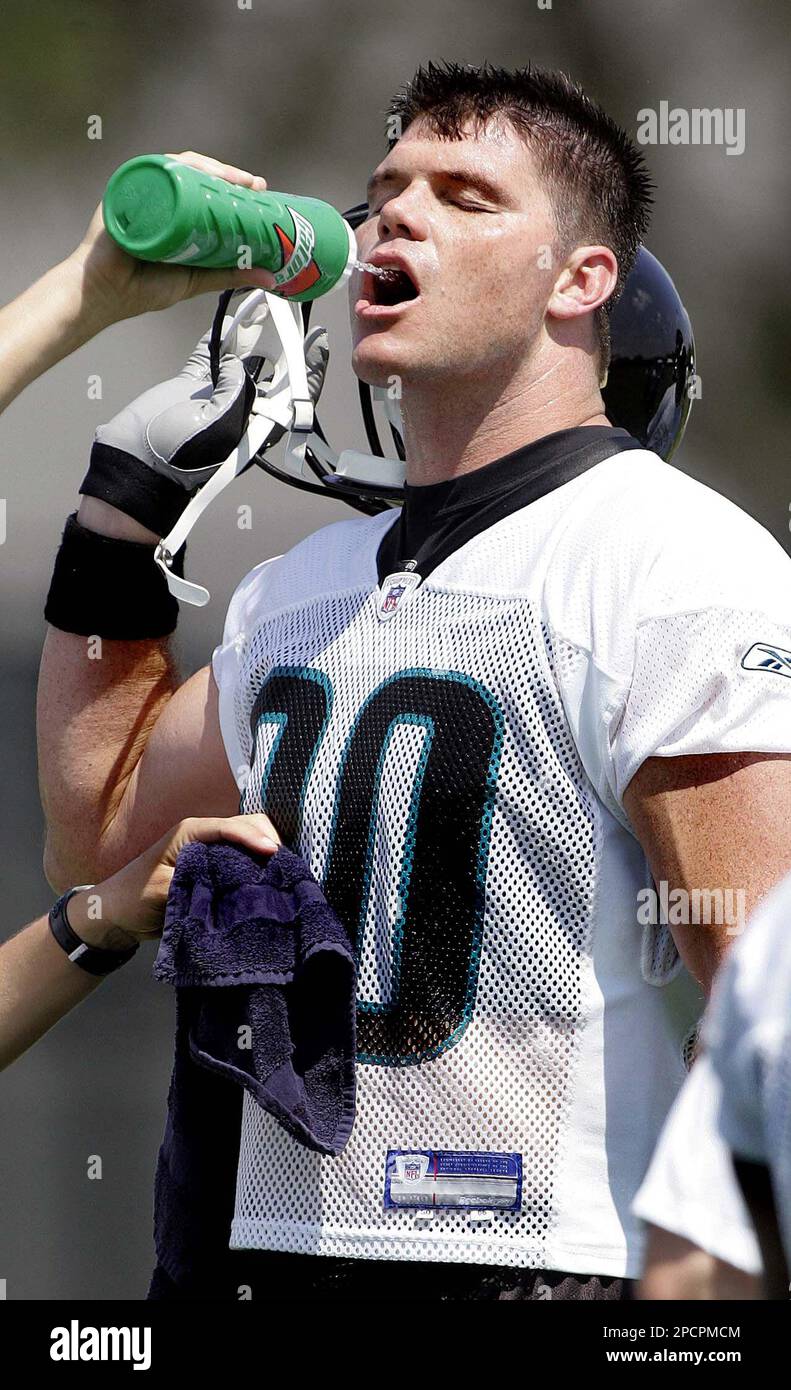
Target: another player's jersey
<point>691,1188</point>
<point>451,761</point>
<point>749,1038</point>
<point>737,1102</point>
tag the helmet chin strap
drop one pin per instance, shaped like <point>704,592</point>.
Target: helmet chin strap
<point>258,431</point>
<point>374,473</point>
<point>391,407</point>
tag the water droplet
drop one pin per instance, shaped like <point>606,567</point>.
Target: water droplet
<point>378,270</point>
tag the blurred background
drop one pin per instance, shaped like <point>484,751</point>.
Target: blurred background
<point>296,90</point>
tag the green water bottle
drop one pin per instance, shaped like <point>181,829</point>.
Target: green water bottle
<point>159,209</point>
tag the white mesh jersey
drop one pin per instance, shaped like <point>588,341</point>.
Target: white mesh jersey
<point>455,777</point>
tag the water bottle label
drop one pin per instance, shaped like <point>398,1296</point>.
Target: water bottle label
<point>301,255</point>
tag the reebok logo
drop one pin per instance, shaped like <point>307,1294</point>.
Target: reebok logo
<point>764,657</point>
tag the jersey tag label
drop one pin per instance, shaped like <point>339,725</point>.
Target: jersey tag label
<point>453,1178</point>
<point>395,591</point>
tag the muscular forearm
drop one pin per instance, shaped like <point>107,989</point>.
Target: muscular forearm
<point>48,321</point>
<point>124,751</point>
<point>97,705</point>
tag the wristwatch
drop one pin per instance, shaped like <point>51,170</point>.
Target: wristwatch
<point>97,960</point>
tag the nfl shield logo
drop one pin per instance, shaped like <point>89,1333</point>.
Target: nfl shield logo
<point>394,592</point>
<point>412,1170</point>
<point>391,600</point>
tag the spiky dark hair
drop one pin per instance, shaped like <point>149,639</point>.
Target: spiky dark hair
<point>596,178</point>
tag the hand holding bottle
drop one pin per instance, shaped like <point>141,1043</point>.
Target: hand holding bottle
<point>115,285</point>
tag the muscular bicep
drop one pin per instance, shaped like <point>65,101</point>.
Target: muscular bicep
<point>718,823</point>
<point>184,771</point>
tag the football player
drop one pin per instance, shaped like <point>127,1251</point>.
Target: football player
<point>486,720</point>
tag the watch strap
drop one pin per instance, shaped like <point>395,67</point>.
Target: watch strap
<point>97,960</point>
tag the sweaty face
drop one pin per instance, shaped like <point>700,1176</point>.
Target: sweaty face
<point>470,232</point>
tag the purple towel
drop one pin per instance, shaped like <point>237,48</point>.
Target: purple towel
<point>257,957</point>
<point>266,972</point>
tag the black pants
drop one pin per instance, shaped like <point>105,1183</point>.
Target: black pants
<point>270,1275</point>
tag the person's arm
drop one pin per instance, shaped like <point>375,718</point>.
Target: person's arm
<point>48,321</point>
<point>677,1269</point>
<point>123,753</point>
<point>716,822</point>
<point>95,716</point>
<point>98,285</point>
<point>38,982</point>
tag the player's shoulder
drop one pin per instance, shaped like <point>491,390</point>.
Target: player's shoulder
<point>661,503</point>
<point>341,555</point>
<point>676,540</point>
<point>636,540</point>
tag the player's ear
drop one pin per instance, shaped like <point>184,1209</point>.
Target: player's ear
<point>586,281</point>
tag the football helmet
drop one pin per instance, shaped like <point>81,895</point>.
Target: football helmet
<point>652,366</point>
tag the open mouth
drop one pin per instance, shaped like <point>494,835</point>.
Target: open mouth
<point>393,287</point>
<point>385,292</point>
